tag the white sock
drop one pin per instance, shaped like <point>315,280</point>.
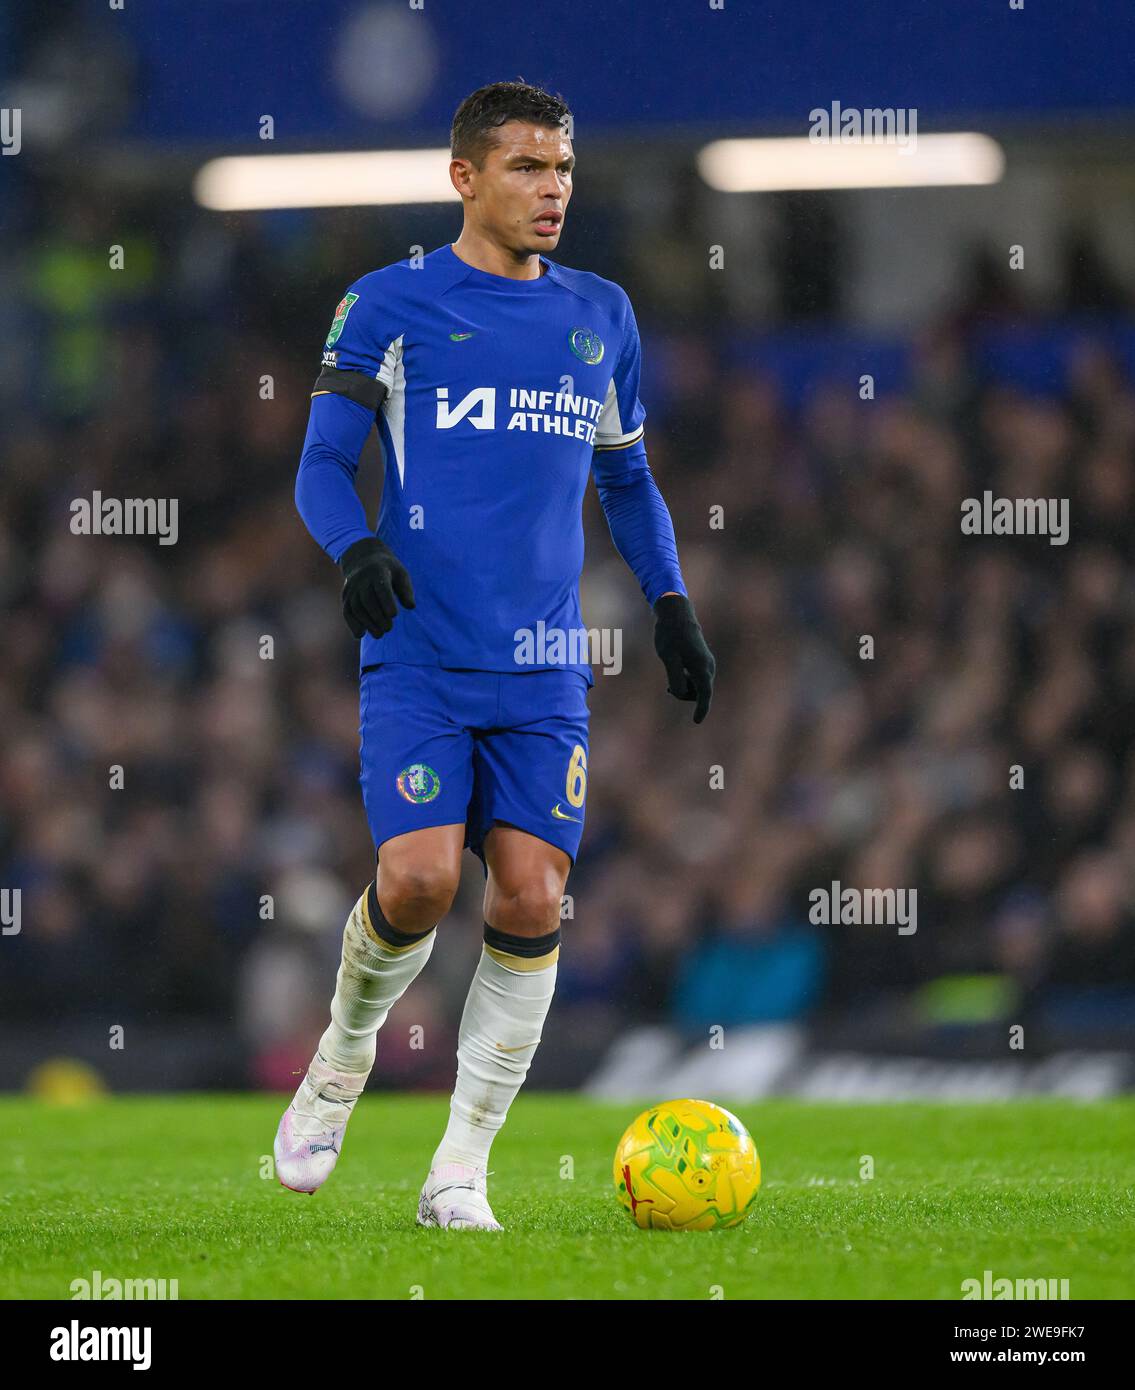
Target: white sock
<point>373,976</point>
<point>500,1030</point>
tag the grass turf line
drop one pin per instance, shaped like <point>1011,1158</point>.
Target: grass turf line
<point>171,1188</point>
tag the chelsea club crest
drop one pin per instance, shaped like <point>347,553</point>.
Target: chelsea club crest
<point>419,783</point>
<point>587,345</point>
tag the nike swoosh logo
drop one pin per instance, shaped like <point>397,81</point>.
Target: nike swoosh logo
<point>562,815</point>
<point>516,1049</point>
<point>459,337</point>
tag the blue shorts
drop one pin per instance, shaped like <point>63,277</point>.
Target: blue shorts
<point>441,747</point>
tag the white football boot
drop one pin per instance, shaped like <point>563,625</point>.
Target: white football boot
<point>454,1198</point>
<point>310,1135</point>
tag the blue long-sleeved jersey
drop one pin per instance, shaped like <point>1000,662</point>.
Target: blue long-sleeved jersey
<point>494,399</point>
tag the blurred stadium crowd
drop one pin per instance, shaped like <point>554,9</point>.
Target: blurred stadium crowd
<point>187,374</point>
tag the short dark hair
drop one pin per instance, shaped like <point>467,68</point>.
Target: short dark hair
<point>482,112</point>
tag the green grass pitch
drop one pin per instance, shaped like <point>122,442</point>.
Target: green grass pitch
<point>172,1188</point>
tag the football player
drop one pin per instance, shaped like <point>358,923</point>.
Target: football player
<point>499,381</point>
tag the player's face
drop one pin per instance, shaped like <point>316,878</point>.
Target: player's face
<point>524,187</point>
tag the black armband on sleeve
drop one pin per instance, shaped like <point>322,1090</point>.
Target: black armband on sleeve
<point>356,386</point>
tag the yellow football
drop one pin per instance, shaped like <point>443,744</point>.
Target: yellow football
<point>686,1165</point>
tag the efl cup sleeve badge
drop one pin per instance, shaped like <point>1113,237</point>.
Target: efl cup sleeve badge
<point>587,345</point>
<point>419,783</point>
<point>343,308</point>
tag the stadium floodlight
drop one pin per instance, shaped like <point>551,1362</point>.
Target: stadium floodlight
<point>244,183</point>
<point>779,165</point>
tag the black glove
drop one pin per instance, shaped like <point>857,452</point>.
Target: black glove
<point>679,642</point>
<point>373,575</point>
